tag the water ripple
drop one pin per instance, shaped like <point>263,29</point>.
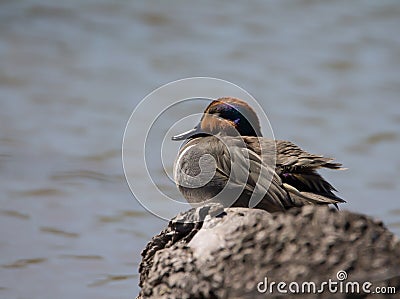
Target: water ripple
<point>381,137</point>
<point>112,278</point>
<point>121,215</point>
<point>84,174</point>
<point>59,232</point>
<point>81,257</point>
<point>40,192</point>
<point>15,214</point>
<point>22,263</point>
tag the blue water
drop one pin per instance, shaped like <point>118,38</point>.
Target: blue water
<point>71,73</point>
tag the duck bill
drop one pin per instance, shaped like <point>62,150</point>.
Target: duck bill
<point>187,134</point>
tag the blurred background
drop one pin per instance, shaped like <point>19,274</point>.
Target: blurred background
<point>71,72</point>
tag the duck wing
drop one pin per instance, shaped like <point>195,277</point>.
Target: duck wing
<point>292,157</point>
<point>298,170</point>
<point>243,167</point>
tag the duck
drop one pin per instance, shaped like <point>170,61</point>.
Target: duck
<point>226,159</point>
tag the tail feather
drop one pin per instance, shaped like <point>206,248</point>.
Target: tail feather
<point>301,198</point>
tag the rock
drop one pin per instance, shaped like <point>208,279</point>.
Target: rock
<point>211,252</point>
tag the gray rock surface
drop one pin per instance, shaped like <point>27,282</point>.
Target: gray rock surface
<point>211,252</point>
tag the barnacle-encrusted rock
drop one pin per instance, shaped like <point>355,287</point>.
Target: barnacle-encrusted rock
<point>211,252</point>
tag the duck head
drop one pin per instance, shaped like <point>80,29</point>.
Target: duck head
<point>229,116</point>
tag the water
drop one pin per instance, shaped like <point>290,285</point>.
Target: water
<point>71,73</point>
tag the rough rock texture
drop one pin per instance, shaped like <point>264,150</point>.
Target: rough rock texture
<point>225,253</point>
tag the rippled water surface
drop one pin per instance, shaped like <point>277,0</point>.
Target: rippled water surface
<point>327,74</point>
